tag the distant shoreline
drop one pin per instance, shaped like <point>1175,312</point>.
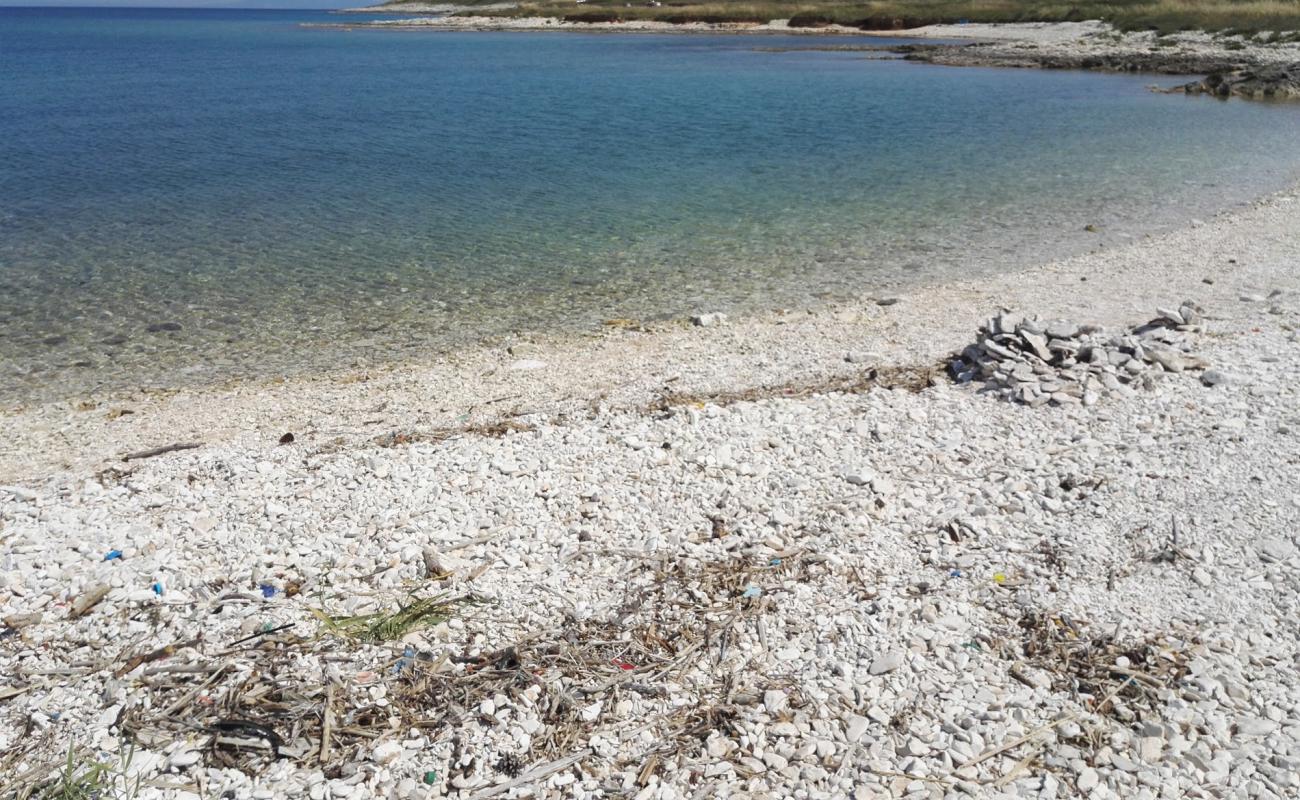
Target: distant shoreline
<point>1235,65</point>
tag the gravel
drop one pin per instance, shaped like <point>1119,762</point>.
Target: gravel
<point>689,585</point>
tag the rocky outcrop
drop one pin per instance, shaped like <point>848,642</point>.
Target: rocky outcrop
<point>1280,82</point>
<point>1001,55</point>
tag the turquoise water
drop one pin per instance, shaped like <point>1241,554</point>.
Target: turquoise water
<point>271,199</point>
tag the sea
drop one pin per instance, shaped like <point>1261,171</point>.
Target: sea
<point>190,197</point>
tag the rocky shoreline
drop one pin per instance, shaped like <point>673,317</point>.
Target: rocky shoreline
<point>756,558</point>
<point>1252,74</point>
<point>1234,65</point>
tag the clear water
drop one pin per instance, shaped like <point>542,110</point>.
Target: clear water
<point>297,199</point>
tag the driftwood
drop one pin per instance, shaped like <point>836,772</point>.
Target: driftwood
<point>158,451</point>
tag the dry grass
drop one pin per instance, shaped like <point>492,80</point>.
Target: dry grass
<point>1094,666</point>
<point>913,379</point>
<point>269,699</point>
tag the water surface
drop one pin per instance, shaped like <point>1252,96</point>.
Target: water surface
<point>187,196</point>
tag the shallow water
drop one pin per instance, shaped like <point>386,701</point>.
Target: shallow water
<point>295,199</point>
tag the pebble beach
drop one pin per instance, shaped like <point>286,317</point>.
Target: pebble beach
<point>817,553</point>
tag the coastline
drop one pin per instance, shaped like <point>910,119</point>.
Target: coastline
<point>782,551</point>
<point>1235,65</point>
<point>610,365</point>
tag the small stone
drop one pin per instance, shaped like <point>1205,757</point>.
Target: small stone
<point>1251,726</point>
<point>163,327</point>
<point>185,758</point>
<point>1150,748</point>
<point>1037,343</point>
<point>1062,329</point>
<point>386,752</point>
<point>1123,762</point>
<point>1276,550</point>
<point>1087,780</point>
<point>1171,315</point>
<point>858,357</point>
<point>854,726</point>
<point>775,761</point>
<point>1171,361</point>
<point>774,701</point>
<point>708,320</point>
<point>432,563</point>
<point>887,662</point>
<point>858,477</point>
<point>1214,377</point>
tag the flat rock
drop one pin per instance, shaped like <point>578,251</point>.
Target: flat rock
<point>886,662</point>
<point>1276,549</point>
<point>1254,726</point>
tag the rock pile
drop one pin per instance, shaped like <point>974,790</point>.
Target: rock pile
<point>1062,363</point>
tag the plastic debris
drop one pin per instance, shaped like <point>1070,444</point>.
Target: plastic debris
<point>407,660</point>
<point>776,562</point>
<point>752,592</point>
<point>956,573</point>
<point>112,555</point>
<point>430,777</point>
<point>158,588</point>
<point>267,590</point>
<point>999,577</point>
<point>623,665</point>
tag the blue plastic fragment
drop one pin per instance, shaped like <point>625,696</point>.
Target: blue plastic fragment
<point>112,555</point>
<point>955,574</point>
<point>407,659</point>
<point>776,562</point>
<point>752,591</point>
<point>268,590</point>
<point>158,588</point>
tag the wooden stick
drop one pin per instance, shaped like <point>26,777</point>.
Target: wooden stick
<point>1020,766</point>
<point>888,774</point>
<point>1016,743</point>
<point>327,724</point>
<point>158,451</point>
<point>181,669</point>
<point>1040,729</point>
<point>189,698</point>
<point>266,632</point>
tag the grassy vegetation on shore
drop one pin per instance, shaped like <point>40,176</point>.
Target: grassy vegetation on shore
<point>1166,16</point>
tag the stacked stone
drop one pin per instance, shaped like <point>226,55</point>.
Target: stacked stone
<point>1062,363</point>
